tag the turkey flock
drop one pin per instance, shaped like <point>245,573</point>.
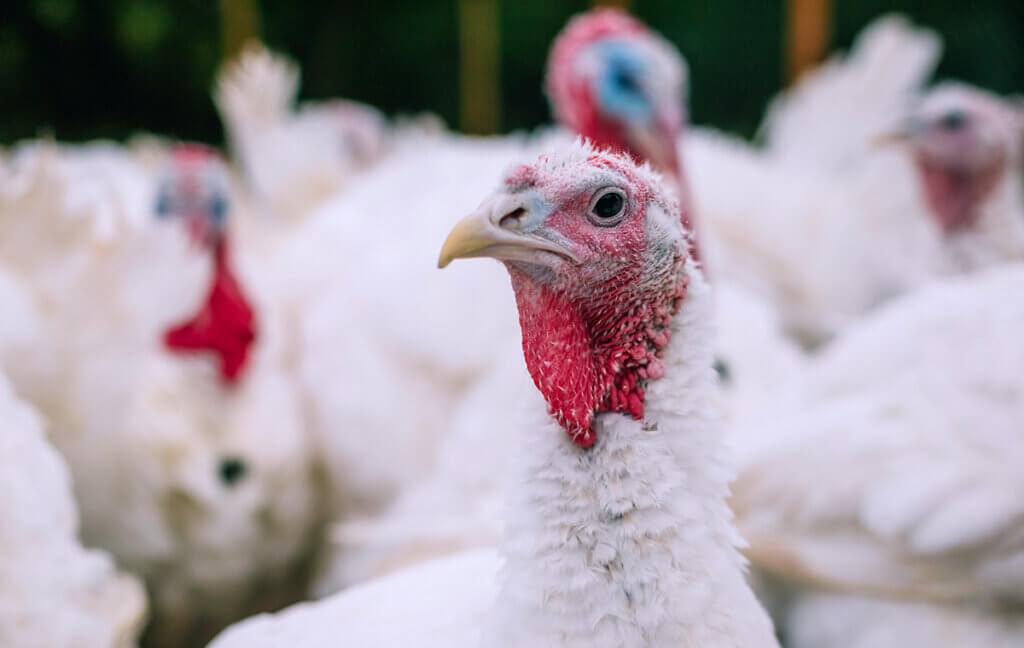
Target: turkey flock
<point>716,393</point>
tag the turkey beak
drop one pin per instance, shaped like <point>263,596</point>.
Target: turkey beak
<point>504,228</point>
<point>911,129</point>
<point>891,138</point>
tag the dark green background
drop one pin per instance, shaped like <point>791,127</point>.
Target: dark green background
<point>93,68</point>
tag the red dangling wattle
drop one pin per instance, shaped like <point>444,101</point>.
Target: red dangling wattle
<point>225,325</point>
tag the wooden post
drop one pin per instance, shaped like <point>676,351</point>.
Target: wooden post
<point>239,23</point>
<point>479,67</point>
<point>808,27</point>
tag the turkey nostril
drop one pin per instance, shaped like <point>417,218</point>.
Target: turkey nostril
<point>512,218</point>
<point>231,470</point>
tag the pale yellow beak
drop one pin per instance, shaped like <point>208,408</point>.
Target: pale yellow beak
<point>891,138</point>
<point>500,229</point>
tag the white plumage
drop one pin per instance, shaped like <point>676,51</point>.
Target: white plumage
<point>293,158</point>
<point>824,226</point>
<point>828,246</point>
<point>892,468</point>
<point>205,491</point>
<point>378,319</point>
<point>826,121</point>
<point>436,604</point>
<point>824,621</point>
<point>449,601</point>
<point>457,505</point>
<point>53,592</point>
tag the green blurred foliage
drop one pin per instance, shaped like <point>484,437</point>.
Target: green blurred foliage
<point>108,68</point>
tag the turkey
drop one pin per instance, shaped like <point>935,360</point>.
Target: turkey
<point>827,120</point>
<point>292,158</point>
<point>967,146</point>
<point>169,396</point>
<point>846,235</point>
<point>61,210</point>
<point>360,266</point>
<point>888,478</point>
<point>621,85</point>
<point>617,531</point>
<point>53,593</point>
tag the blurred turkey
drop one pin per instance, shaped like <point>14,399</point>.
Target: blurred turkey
<point>620,473</point>
<point>849,229</point>
<point>293,158</point>
<point>892,471</point>
<point>620,85</point>
<point>167,393</point>
<point>61,211</point>
<point>826,121</point>
<point>377,319</point>
<point>967,146</point>
<point>53,593</point>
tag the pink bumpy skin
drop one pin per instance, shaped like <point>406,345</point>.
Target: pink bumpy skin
<point>597,280</point>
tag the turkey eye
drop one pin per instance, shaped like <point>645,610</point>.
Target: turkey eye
<point>608,207</point>
<point>218,209</point>
<point>625,81</point>
<point>231,470</point>
<point>953,120</point>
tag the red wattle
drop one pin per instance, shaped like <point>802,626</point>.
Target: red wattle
<point>224,326</point>
<point>954,195</point>
<point>595,353</point>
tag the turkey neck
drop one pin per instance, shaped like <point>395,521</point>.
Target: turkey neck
<point>627,542</point>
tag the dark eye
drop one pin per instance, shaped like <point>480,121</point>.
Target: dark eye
<point>164,202</point>
<point>231,470</point>
<point>953,121</point>
<point>722,369</point>
<point>607,207</point>
<point>163,206</point>
<point>218,208</point>
<point>625,81</point>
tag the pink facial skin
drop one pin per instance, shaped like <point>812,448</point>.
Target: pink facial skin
<point>954,193</point>
<point>963,141</point>
<point>594,330</point>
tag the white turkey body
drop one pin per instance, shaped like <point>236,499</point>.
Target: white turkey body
<point>388,343</point>
<point>205,490</point>
<point>457,505</point>
<point>827,228</point>
<point>293,158</point>
<point>893,468</point>
<point>53,592</point>
<point>827,120</point>
<point>447,601</point>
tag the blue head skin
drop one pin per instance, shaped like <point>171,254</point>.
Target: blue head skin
<point>621,92</point>
<point>637,87</point>
<point>195,191</point>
